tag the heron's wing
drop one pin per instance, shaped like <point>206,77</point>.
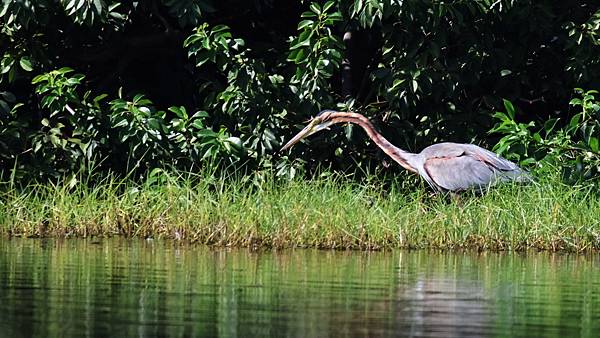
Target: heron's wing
<point>505,169</point>
<point>457,173</point>
<point>491,159</point>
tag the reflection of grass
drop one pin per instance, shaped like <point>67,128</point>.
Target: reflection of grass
<point>126,288</point>
<point>324,213</point>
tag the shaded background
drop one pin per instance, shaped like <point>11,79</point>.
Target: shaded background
<point>424,71</point>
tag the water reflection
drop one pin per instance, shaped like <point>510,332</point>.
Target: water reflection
<point>146,289</point>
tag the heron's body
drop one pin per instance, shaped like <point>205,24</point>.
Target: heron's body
<point>456,166</point>
<point>444,166</point>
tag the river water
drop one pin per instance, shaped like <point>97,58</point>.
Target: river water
<point>119,288</point>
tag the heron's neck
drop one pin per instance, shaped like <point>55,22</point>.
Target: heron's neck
<point>399,155</point>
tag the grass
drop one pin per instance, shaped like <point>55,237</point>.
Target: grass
<point>322,213</point>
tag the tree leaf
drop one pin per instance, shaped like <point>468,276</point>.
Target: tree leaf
<point>305,23</point>
<point>574,123</point>
<point>25,64</point>
<point>593,143</point>
<point>315,8</point>
<point>510,109</point>
<point>328,5</point>
<point>99,5</point>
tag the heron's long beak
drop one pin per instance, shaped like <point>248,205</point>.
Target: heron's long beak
<point>313,127</point>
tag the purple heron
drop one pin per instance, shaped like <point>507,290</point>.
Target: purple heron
<point>445,166</point>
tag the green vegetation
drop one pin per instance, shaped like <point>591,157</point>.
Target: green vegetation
<point>125,87</point>
<point>122,92</point>
<point>325,212</point>
<point>572,149</point>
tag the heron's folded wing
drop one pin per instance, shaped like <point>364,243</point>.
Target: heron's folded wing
<point>459,173</point>
<point>492,159</point>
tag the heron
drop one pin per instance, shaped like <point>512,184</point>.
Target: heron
<point>446,167</point>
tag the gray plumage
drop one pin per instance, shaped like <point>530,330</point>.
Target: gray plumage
<point>456,167</point>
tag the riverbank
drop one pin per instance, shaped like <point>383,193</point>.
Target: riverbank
<point>321,213</point>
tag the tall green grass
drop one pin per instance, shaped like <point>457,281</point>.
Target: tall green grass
<point>322,212</point>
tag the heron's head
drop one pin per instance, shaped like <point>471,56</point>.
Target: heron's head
<point>322,121</point>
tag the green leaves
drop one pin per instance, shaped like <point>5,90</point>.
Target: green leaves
<point>593,143</point>
<point>368,12</point>
<point>574,148</point>
<point>69,133</point>
<point>79,128</point>
<point>214,45</point>
<point>517,142</point>
<point>10,69</point>
<point>510,109</point>
<point>85,11</point>
<point>152,139</point>
<point>316,52</point>
<point>189,12</point>
<point>25,63</point>
<point>57,89</point>
<point>424,71</point>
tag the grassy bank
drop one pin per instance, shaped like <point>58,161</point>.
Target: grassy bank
<point>324,213</point>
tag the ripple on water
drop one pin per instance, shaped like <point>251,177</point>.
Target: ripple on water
<point>125,288</point>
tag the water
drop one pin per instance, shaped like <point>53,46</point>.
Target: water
<point>117,288</point>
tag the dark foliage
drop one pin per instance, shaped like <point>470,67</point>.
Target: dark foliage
<point>126,87</point>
